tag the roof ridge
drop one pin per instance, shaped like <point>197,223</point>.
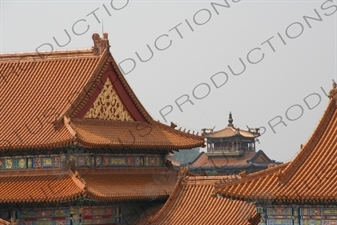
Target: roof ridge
<point>257,154</point>
<point>71,130</point>
<point>175,193</point>
<point>75,176</point>
<point>21,55</point>
<point>197,158</point>
<point>235,131</point>
<point>171,129</point>
<point>82,98</point>
<point>253,176</point>
<point>132,95</point>
<point>311,143</point>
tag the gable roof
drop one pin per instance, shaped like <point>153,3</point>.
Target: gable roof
<point>41,93</point>
<point>311,176</point>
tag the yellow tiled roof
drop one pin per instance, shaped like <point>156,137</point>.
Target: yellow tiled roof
<point>39,94</point>
<point>191,204</point>
<point>311,176</point>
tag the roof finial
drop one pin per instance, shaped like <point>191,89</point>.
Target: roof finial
<point>230,120</point>
<point>333,92</point>
<point>100,44</point>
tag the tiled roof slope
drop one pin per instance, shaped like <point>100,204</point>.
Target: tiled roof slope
<point>206,159</point>
<point>191,204</point>
<point>36,92</point>
<point>230,132</point>
<point>39,91</point>
<point>144,217</point>
<point>128,184</point>
<point>36,186</point>
<point>311,176</point>
<point>100,184</point>
<point>131,134</point>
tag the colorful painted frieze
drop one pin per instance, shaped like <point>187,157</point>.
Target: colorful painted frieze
<point>80,160</point>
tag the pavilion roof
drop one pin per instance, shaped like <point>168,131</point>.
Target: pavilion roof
<point>309,177</point>
<point>42,92</point>
<point>230,132</point>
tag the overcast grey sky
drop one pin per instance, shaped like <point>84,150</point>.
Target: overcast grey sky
<point>289,58</point>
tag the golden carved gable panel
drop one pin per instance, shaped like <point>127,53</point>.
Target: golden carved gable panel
<point>108,105</point>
